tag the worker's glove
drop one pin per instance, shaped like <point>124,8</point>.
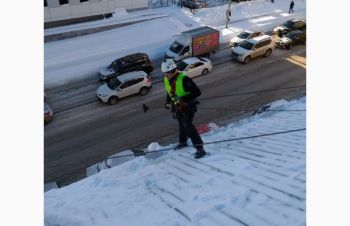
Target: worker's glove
<point>181,102</point>
<point>167,105</point>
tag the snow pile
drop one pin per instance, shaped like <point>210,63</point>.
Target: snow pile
<point>256,182</point>
<point>120,13</point>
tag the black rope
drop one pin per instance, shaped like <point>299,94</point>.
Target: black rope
<point>213,142</point>
<point>258,91</point>
<point>237,109</point>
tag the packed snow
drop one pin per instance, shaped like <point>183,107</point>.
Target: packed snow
<point>256,182</point>
<point>82,57</point>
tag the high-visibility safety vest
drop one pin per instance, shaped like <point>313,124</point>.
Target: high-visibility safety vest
<point>179,89</point>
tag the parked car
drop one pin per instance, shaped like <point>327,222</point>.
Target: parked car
<point>133,62</point>
<point>244,35</point>
<point>252,48</point>
<point>124,85</point>
<point>195,66</point>
<point>292,38</point>
<point>289,25</point>
<point>48,114</point>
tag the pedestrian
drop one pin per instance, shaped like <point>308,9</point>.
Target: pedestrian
<point>291,5</point>
<point>182,95</point>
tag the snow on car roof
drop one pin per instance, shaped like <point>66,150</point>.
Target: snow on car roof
<point>130,75</point>
<point>191,60</point>
<point>258,39</point>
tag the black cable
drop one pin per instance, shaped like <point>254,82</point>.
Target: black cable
<point>237,109</point>
<point>213,142</point>
<point>258,91</point>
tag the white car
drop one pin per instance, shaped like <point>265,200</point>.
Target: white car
<point>124,85</point>
<point>195,66</point>
<point>252,48</point>
<point>244,35</point>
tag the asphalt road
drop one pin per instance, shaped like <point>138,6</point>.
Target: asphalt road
<point>85,131</point>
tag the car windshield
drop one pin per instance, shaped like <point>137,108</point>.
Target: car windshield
<point>115,65</point>
<point>288,24</point>
<point>176,47</point>
<point>246,45</point>
<point>113,83</point>
<point>243,35</point>
<point>182,65</point>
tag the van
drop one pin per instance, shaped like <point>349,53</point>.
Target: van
<point>136,82</point>
<point>252,48</point>
<point>132,62</point>
<point>196,42</point>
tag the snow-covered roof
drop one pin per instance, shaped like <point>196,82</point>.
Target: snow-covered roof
<point>253,181</point>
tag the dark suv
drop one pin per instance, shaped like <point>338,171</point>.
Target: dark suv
<point>289,25</point>
<point>292,38</point>
<point>132,62</point>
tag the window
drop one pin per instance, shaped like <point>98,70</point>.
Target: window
<point>197,64</point>
<point>84,0</point>
<point>185,50</point>
<point>63,2</point>
<point>258,45</point>
<point>45,3</point>
<point>125,85</point>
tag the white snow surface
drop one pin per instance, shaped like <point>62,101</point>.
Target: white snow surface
<point>255,182</point>
<point>82,57</point>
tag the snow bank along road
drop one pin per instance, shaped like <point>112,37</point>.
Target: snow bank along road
<point>85,131</point>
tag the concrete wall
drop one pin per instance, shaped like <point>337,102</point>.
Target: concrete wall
<point>56,12</point>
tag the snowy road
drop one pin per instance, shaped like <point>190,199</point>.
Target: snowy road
<point>85,131</point>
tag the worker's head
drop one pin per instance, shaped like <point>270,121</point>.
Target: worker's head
<point>169,68</point>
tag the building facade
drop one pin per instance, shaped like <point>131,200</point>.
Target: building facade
<point>59,12</point>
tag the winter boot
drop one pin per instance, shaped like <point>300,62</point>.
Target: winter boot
<point>180,146</point>
<point>200,153</point>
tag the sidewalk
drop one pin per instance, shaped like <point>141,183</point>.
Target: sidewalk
<point>70,31</point>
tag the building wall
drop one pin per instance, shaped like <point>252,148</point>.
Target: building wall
<point>76,9</point>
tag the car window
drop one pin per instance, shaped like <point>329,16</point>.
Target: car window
<point>176,47</point>
<point>259,45</point>
<point>198,64</point>
<point>182,65</point>
<point>138,80</point>
<point>256,34</point>
<point>125,85</point>
<point>185,50</point>
<point>113,83</point>
<point>246,45</point>
<point>243,35</point>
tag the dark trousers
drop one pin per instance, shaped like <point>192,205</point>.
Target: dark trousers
<point>187,129</point>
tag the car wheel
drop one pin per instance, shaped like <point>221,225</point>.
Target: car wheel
<point>268,53</point>
<point>247,59</point>
<point>113,100</point>
<point>205,71</point>
<point>143,91</point>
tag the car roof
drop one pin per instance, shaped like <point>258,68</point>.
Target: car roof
<point>258,39</point>
<point>131,75</point>
<point>132,56</point>
<point>248,31</point>
<point>191,60</point>
<point>294,20</point>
